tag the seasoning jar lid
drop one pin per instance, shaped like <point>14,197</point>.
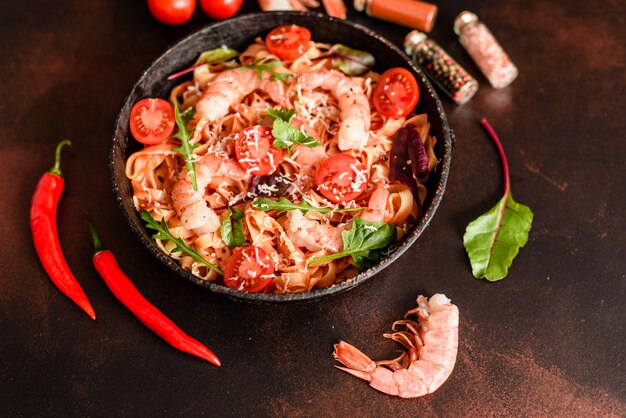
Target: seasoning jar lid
<point>413,39</point>
<point>463,19</point>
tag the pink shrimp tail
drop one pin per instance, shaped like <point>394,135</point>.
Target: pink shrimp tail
<point>354,360</point>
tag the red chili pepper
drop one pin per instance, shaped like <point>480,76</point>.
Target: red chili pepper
<point>124,290</point>
<point>43,225</point>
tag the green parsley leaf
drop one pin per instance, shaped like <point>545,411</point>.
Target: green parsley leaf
<point>186,148</point>
<point>281,114</point>
<point>366,242</point>
<point>164,233</point>
<point>232,229</point>
<point>285,135</point>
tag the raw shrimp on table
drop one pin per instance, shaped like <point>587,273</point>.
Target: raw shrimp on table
<point>431,341</point>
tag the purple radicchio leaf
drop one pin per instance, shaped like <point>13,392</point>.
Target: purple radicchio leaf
<point>409,161</point>
<point>350,61</point>
<point>273,185</point>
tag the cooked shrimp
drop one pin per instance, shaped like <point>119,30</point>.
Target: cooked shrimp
<point>231,86</point>
<point>377,205</point>
<point>309,159</point>
<point>352,102</point>
<point>312,234</point>
<point>190,205</point>
<point>431,342</point>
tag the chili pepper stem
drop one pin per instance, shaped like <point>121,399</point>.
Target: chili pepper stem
<point>56,169</point>
<point>97,244</point>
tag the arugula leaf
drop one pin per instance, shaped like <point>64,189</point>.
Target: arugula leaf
<point>285,135</point>
<point>493,239</point>
<point>163,232</point>
<point>283,205</point>
<point>261,66</point>
<point>232,229</point>
<point>186,148</point>
<point>366,242</point>
<point>349,61</point>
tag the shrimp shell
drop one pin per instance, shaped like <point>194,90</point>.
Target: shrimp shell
<point>432,344</point>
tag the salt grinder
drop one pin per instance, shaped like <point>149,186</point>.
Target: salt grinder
<point>485,50</point>
<point>412,13</point>
<point>440,67</point>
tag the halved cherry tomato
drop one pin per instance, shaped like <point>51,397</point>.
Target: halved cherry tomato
<point>152,121</point>
<point>341,178</point>
<point>248,269</point>
<point>396,93</point>
<point>288,42</point>
<point>255,152</point>
<point>172,12</point>
<point>220,9</point>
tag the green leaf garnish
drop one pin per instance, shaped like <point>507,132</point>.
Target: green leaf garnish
<point>350,61</point>
<point>268,66</point>
<point>283,205</point>
<point>281,114</point>
<point>285,135</point>
<point>232,229</point>
<point>215,56</point>
<point>163,232</point>
<point>366,242</point>
<point>186,148</point>
<point>493,239</point>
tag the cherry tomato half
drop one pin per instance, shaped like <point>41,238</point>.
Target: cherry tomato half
<point>341,178</point>
<point>248,269</point>
<point>255,152</point>
<point>172,12</point>
<point>221,9</point>
<point>152,121</point>
<point>288,42</point>
<point>396,93</point>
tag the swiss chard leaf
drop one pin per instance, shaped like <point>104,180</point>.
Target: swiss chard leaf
<point>366,242</point>
<point>283,205</point>
<point>493,239</point>
<point>232,229</point>
<point>186,148</point>
<point>163,232</point>
<point>285,135</point>
<point>214,56</point>
<point>352,62</point>
<point>409,161</point>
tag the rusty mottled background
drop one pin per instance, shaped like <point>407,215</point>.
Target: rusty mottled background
<point>547,340</point>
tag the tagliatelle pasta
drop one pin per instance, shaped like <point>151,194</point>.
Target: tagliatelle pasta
<point>162,186</point>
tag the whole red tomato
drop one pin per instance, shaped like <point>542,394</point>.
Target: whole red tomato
<point>221,9</point>
<point>172,12</point>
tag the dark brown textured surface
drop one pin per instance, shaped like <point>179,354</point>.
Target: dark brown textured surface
<point>548,340</point>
